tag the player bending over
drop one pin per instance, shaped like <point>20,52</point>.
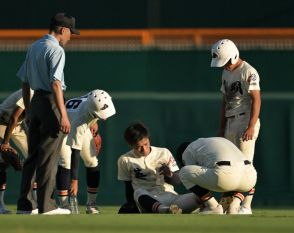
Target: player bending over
<point>14,128</point>
<point>215,164</point>
<point>83,113</point>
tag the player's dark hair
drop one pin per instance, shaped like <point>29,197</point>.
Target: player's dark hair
<point>179,152</point>
<point>135,133</point>
<point>54,28</point>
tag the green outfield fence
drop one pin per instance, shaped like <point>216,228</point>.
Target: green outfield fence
<point>176,94</point>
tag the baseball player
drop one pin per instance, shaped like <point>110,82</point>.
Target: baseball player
<point>215,164</point>
<point>83,113</point>
<point>12,127</point>
<point>241,103</point>
<point>148,173</point>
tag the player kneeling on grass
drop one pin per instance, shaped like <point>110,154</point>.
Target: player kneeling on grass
<point>80,142</point>
<point>148,173</point>
<point>215,164</point>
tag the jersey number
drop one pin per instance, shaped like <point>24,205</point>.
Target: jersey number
<point>73,104</point>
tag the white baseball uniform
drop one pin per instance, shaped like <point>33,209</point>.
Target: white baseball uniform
<point>18,136</point>
<point>143,172</point>
<point>80,136</point>
<point>218,165</point>
<point>236,86</point>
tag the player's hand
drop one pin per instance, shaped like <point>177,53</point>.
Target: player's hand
<point>249,133</point>
<point>94,129</point>
<point>98,143</point>
<point>5,146</point>
<point>74,188</point>
<point>164,170</point>
<point>65,125</point>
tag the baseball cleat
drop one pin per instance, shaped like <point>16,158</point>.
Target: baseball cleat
<point>92,209</point>
<point>233,209</point>
<point>215,210</point>
<point>174,209</point>
<point>29,212</point>
<point>58,211</point>
<point>245,211</point>
<point>3,210</point>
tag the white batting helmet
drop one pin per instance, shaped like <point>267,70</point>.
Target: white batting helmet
<point>99,102</point>
<point>223,51</point>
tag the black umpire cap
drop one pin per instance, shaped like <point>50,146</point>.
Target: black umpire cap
<point>65,20</point>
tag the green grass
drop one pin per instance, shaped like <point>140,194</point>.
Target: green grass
<point>263,220</point>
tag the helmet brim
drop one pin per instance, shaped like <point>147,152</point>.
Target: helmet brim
<point>110,111</point>
<point>217,62</point>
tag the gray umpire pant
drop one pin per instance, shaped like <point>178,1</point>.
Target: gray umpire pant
<point>44,143</point>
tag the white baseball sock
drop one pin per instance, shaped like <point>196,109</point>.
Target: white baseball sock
<point>247,201</point>
<point>211,203</point>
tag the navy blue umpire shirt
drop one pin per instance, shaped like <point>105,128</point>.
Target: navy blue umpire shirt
<point>44,64</point>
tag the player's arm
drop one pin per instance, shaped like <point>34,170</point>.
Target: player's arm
<point>255,111</point>
<point>174,179</point>
<point>169,176</point>
<point>74,169</point>
<point>58,95</point>
<point>221,132</point>
<point>13,120</point>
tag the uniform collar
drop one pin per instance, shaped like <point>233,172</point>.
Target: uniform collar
<point>51,38</point>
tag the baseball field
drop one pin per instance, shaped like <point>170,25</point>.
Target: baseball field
<point>263,220</point>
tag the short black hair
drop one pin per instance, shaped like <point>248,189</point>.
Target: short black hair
<point>135,132</point>
<point>55,29</point>
<point>179,152</point>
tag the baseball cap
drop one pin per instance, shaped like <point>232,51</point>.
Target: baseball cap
<point>65,20</point>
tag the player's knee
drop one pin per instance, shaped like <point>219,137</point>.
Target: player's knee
<point>64,163</point>
<point>91,163</point>
<point>184,175</point>
<point>139,192</point>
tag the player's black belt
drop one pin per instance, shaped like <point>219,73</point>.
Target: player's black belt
<point>228,163</point>
<point>240,114</point>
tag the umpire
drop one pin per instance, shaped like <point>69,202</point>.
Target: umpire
<point>42,71</point>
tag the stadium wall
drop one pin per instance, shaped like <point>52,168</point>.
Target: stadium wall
<point>176,94</point>
<point>150,13</point>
